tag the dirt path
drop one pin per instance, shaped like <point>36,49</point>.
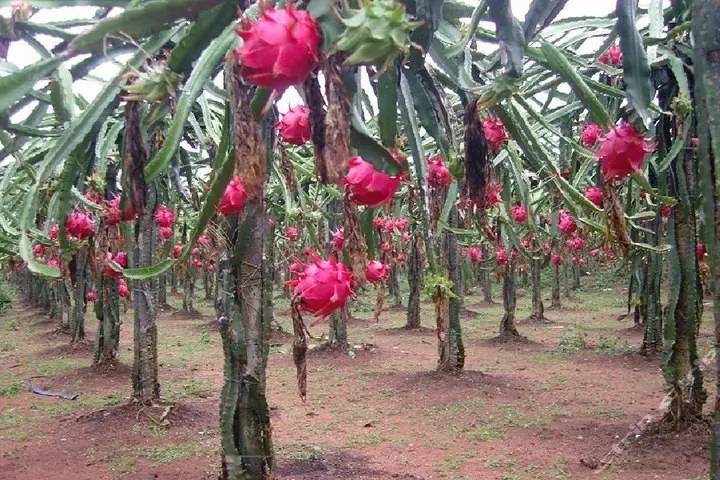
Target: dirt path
<point>521,411</point>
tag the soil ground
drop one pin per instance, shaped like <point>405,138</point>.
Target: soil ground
<point>541,409</point>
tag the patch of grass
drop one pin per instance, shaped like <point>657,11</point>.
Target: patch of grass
<point>60,408</point>
<point>387,392</point>
<point>167,453</point>
<point>509,467</point>
<point>22,436</point>
<point>321,428</point>
<point>121,461</point>
<point>150,430</point>
<point>547,357</point>
<point>498,463</point>
<point>510,417</point>
<point>188,347</point>
<point>442,445</point>
<point>553,472</point>
<point>300,451</point>
<point>122,464</point>
<point>176,362</point>
<point>510,475</point>
<point>363,305</point>
<point>608,412</point>
<point>280,349</point>
<point>82,402</point>
<point>7,346</point>
<point>531,468</point>
<point>552,383</point>
<point>54,366</point>
<point>110,399</point>
<point>357,397</point>
<point>10,324</point>
<point>522,418</point>
<point>347,414</point>
<point>613,346</point>
<point>205,338</point>
<point>11,422</point>
<point>452,410</point>
<point>485,433</point>
<point>455,461</point>
<point>195,388</point>
<point>572,341</point>
<point>362,440</point>
<point>5,298</point>
<point>190,389</point>
<point>11,389</point>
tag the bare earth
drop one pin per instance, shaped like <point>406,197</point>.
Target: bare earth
<point>542,409</point>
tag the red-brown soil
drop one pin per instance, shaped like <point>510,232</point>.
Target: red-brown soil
<point>541,409</point>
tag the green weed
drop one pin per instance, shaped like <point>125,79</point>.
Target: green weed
<point>486,433</point>
<point>11,389</point>
<point>167,454</point>
<point>572,341</point>
<point>54,366</point>
<point>362,440</point>
<point>614,346</point>
<point>190,389</point>
<point>608,412</point>
<point>56,409</point>
<point>300,451</point>
<point>452,410</point>
<point>456,461</point>
<point>10,419</point>
<point>520,417</point>
<point>7,346</point>
<point>11,324</point>
<point>205,337</point>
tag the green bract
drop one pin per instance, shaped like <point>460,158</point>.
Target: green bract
<point>156,86</point>
<point>438,286</point>
<point>376,33</point>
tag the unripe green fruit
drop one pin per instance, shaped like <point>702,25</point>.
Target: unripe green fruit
<point>376,33</point>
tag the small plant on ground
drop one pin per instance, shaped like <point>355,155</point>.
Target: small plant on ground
<point>189,389</point>
<point>11,389</point>
<point>614,346</point>
<point>300,451</point>
<point>7,346</point>
<point>10,324</point>
<point>573,341</point>
<point>362,440</point>
<point>5,299</point>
